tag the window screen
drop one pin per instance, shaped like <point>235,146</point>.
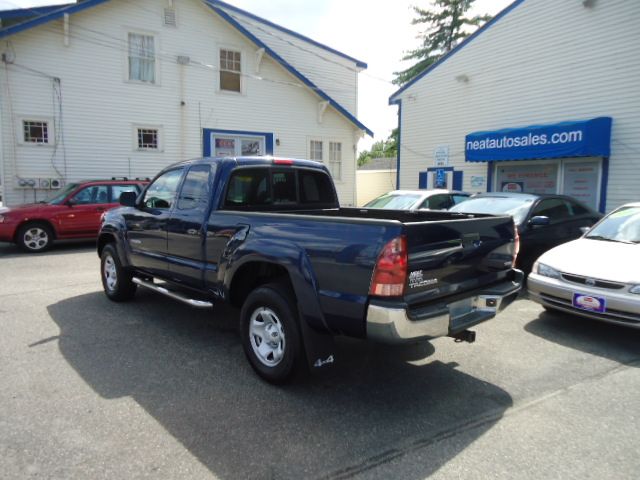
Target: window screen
<point>230,70</point>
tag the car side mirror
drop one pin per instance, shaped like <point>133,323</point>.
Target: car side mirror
<point>539,221</point>
<point>585,230</point>
<point>128,199</point>
<point>70,203</point>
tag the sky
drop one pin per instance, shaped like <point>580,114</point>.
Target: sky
<point>367,30</point>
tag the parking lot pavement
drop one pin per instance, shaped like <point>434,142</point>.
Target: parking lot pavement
<point>152,388</point>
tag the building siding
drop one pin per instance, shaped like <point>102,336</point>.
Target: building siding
<point>543,62</point>
<point>373,183</point>
<point>100,108</point>
<point>335,75</point>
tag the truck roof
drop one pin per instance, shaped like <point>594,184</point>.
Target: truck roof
<point>256,160</point>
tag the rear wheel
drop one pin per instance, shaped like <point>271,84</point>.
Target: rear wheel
<point>270,333</point>
<point>34,237</point>
<point>116,280</point>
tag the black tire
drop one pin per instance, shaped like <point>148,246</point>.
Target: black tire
<point>271,309</point>
<point>116,280</point>
<point>34,237</point>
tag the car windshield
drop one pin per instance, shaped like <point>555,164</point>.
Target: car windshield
<point>516,207</point>
<point>58,197</point>
<point>623,225</point>
<point>394,201</point>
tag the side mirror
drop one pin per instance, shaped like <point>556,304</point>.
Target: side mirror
<point>70,203</point>
<point>539,221</point>
<point>585,230</point>
<point>128,199</point>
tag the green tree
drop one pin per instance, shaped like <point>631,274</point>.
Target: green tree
<point>382,149</point>
<point>446,25</point>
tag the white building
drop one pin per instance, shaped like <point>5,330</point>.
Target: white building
<point>544,98</point>
<point>116,88</point>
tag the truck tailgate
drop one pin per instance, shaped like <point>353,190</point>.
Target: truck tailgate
<point>453,256</point>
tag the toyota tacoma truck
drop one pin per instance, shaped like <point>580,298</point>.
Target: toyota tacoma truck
<point>269,236</point>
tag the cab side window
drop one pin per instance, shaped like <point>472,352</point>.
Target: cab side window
<point>554,208</point>
<point>162,192</point>
<point>194,194</point>
<point>437,202</point>
<point>117,190</point>
<point>93,194</point>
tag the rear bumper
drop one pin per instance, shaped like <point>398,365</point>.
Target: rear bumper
<point>390,324</point>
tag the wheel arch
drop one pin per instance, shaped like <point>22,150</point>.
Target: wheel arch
<point>253,274</point>
<point>41,221</point>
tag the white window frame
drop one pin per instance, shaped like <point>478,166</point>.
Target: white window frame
<point>157,49</point>
<point>136,147</point>
<point>243,68</point>
<point>51,134</point>
<point>321,142</point>
<point>333,161</point>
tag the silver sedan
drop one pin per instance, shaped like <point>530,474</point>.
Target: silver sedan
<point>596,276</point>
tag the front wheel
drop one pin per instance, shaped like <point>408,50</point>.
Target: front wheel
<point>116,281</point>
<point>270,333</point>
<point>34,237</point>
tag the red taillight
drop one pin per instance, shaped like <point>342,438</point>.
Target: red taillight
<point>282,161</point>
<point>390,273</point>
<point>516,245</point>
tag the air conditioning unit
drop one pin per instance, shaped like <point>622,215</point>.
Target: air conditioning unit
<point>44,183</point>
<point>56,183</point>
<point>26,183</point>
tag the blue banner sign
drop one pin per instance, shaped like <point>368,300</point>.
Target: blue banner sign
<point>588,138</point>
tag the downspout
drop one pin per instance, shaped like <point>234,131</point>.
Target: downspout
<point>183,107</point>
<point>399,146</point>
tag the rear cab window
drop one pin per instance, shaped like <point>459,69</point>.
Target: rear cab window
<point>267,188</point>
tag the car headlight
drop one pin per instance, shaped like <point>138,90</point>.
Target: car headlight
<point>546,271</point>
<point>635,289</point>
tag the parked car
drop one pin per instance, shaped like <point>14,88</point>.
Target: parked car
<point>596,276</point>
<point>269,236</point>
<point>543,221</point>
<point>71,213</point>
<point>418,200</point>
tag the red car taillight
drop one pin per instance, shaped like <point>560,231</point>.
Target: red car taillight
<point>390,272</point>
<point>516,245</point>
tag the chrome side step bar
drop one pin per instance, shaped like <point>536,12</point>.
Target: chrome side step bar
<point>174,295</point>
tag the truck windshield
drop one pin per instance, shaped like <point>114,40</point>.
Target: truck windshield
<point>58,197</point>
<point>516,207</point>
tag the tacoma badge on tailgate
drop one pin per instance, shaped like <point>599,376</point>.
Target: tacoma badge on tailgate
<point>416,280</point>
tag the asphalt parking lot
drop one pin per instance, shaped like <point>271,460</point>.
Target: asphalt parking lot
<point>154,389</point>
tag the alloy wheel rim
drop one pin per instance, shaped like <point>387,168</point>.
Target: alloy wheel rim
<point>109,272</point>
<point>36,238</point>
<point>267,337</point>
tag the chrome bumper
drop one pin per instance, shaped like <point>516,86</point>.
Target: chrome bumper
<point>399,325</point>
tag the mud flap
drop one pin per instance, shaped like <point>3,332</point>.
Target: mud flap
<point>318,347</point>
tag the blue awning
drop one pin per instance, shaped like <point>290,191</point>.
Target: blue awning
<point>587,138</point>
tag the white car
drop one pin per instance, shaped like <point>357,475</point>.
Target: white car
<point>418,200</point>
<point>596,276</point>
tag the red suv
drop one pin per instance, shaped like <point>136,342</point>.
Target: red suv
<point>73,212</point>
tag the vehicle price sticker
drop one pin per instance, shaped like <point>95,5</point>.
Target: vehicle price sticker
<point>590,303</point>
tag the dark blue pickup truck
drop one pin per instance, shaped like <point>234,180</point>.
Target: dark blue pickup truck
<point>268,236</point>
